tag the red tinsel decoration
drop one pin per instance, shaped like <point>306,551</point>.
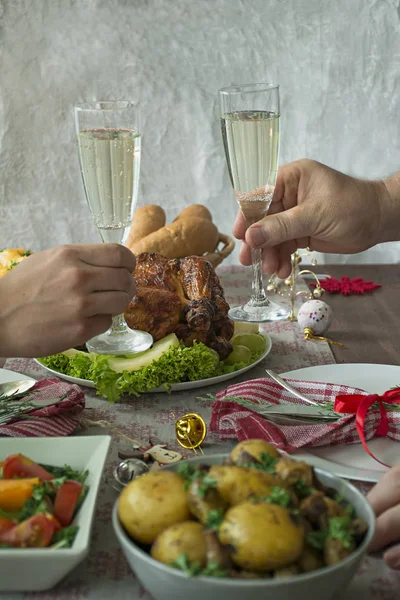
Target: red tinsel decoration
<point>347,286</point>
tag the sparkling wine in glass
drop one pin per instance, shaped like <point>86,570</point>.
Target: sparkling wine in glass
<point>109,153</point>
<point>250,131</point>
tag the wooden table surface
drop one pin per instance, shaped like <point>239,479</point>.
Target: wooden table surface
<point>369,324</point>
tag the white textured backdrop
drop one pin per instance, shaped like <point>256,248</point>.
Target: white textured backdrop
<point>338,63</point>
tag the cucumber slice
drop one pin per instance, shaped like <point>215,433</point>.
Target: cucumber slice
<point>254,341</point>
<point>73,352</point>
<point>143,359</point>
<point>244,327</point>
<point>239,354</point>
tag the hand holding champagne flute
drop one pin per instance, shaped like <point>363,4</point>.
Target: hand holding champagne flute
<point>109,152</point>
<point>250,131</point>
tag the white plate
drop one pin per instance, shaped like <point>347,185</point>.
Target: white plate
<point>36,569</point>
<point>177,387</point>
<point>351,461</point>
<point>12,376</point>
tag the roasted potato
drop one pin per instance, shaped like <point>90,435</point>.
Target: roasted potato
<point>238,484</point>
<point>257,515</point>
<point>182,538</point>
<point>262,537</point>
<point>293,471</point>
<point>151,503</point>
<point>253,448</point>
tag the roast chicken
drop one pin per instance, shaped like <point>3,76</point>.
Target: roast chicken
<point>181,296</point>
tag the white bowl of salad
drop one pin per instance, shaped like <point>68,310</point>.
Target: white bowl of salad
<point>48,492</point>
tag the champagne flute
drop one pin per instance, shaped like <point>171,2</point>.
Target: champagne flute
<point>250,131</point>
<point>109,153</point>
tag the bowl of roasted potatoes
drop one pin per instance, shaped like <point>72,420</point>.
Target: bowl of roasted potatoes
<point>249,525</point>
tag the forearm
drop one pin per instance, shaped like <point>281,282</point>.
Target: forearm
<point>390,209</point>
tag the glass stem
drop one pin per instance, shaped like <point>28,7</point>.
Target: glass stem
<point>258,295</point>
<point>118,324</point>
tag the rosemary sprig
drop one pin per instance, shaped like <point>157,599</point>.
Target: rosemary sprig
<point>14,406</point>
<point>238,400</point>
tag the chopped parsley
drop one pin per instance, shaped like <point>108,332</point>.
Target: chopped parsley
<point>183,563</point>
<point>213,569</point>
<point>191,473</point>
<point>206,483</point>
<point>340,529</point>
<point>316,539</point>
<point>279,496</point>
<point>12,264</point>
<point>266,462</point>
<point>301,489</point>
<point>215,517</point>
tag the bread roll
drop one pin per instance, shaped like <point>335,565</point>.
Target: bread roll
<point>146,219</point>
<point>194,210</point>
<point>185,237</point>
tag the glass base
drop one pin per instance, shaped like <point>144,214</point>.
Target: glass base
<point>128,341</point>
<point>259,312</point>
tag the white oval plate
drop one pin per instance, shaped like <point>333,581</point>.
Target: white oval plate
<point>350,460</point>
<point>177,387</point>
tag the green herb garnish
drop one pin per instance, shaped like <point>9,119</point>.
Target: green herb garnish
<point>301,489</point>
<point>213,569</point>
<point>183,563</point>
<point>316,539</point>
<point>66,472</point>
<point>266,463</point>
<point>214,519</point>
<point>12,264</point>
<point>340,529</point>
<point>206,483</point>
<point>279,496</point>
<point>65,537</point>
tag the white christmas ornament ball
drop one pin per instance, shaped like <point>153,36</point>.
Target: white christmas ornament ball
<point>316,315</point>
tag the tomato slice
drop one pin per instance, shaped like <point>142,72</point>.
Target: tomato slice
<point>35,532</point>
<point>5,524</point>
<point>66,500</point>
<point>18,465</point>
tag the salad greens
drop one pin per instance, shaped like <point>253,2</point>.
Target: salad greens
<point>178,364</point>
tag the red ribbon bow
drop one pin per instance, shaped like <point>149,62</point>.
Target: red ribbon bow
<point>359,405</point>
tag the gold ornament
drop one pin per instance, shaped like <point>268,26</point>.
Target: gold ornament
<point>290,283</point>
<point>310,335</point>
<point>191,431</point>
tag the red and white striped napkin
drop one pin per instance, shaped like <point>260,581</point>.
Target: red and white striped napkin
<point>231,420</point>
<point>60,419</point>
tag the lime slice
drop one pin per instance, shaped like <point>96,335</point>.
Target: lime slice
<point>243,327</point>
<point>239,354</point>
<point>254,341</point>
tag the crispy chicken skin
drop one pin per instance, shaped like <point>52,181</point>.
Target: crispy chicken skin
<point>182,296</point>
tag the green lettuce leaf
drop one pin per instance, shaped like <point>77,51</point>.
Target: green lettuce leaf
<point>178,364</point>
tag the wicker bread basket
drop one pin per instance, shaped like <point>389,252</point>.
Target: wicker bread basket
<point>224,248</point>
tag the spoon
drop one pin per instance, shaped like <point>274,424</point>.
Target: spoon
<point>9,388</point>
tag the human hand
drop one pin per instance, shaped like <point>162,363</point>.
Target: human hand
<point>318,208</point>
<point>385,500</point>
<point>61,297</point>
